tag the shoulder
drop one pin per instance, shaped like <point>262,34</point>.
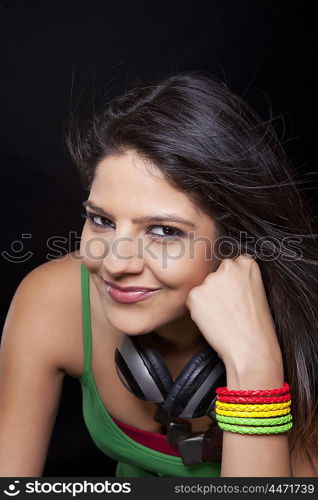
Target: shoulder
<point>51,275</point>
<point>46,310</point>
<point>55,285</point>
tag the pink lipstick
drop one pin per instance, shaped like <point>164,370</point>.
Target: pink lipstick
<point>130,296</point>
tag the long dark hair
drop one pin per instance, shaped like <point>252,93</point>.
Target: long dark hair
<point>211,145</point>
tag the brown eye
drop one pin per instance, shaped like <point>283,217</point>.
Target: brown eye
<point>176,233</point>
<point>91,218</point>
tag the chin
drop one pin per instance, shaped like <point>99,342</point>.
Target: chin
<point>137,323</point>
<point>134,332</point>
<point>130,327</point>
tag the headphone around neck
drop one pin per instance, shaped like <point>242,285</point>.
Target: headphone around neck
<point>144,373</point>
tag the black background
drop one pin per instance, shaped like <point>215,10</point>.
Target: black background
<point>54,52</point>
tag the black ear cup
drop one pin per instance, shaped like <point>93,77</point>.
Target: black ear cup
<point>191,394</point>
<point>143,371</point>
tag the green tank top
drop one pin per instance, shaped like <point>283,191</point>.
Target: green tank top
<point>134,459</point>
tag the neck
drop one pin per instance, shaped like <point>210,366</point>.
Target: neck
<point>180,336</point>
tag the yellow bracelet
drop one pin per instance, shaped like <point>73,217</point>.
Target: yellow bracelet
<point>251,407</point>
<point>253,413</point>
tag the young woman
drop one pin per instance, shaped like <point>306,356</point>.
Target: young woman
<point>192,196</point>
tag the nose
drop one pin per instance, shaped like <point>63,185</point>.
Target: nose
<point>124,255</point>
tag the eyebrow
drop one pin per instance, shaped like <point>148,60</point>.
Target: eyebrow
<point>143,219</point>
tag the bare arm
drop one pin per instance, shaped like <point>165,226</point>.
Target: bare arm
<point>231,309</point>
<point>252,455</point>
<point>30,375</point>
<point>268,455</point>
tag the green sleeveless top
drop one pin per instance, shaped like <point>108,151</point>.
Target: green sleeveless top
<point>134,459</point>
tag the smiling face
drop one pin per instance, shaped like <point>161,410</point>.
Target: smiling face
<point>165,254</point>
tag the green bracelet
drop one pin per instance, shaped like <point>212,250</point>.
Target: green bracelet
<point>242,429</point>
<point>254,421</point>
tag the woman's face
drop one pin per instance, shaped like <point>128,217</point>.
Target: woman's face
<point>137,254</point>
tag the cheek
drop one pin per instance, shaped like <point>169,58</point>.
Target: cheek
<point>92,249</point>
<point>186,271</point>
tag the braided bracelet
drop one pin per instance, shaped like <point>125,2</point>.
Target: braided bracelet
<point>255,421</point>
<point>272,403</point>
<point>251,414</point>
<point>242,429</point>
<point>250,407</point>
<point>254,399</point>
<point>266,392</point>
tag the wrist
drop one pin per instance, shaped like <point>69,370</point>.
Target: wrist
<point>242,355</point>
<point>254,377</point>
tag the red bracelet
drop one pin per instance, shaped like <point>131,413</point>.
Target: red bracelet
<point>265,399</point>
<point>267,392</point>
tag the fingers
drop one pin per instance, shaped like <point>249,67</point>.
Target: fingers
<point>246,257</point>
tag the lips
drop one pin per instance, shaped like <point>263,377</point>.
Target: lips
<point>130,296</point>
<point>129,288</point>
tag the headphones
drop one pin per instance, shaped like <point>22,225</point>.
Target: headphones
<point>144,373</point>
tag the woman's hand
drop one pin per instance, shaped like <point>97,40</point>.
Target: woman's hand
<point>231,310</point>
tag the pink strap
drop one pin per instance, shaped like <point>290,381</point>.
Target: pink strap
<point>152,440</point>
